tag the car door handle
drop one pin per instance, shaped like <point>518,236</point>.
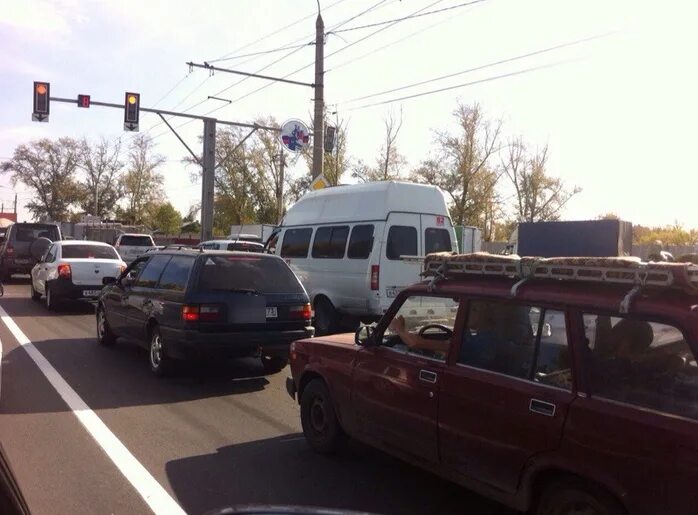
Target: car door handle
<point>428,376</point>
<point>542,408</point>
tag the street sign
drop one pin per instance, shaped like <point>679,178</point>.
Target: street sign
<point>83,100</point>
<point>330,134</point>
<point>319,183</point>
<point>132,105</point>
<point>42,97</point>
<point>295,135</point>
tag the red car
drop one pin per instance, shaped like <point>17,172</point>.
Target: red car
<point>559,386</point>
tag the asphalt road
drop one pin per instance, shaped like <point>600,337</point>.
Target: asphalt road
<point>210,438</point>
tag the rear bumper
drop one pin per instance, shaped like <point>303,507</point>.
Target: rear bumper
<point>191,344</point>
<point>68,290</point>
<point>10,266</point>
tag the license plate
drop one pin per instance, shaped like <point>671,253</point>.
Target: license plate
<point>392,291</point>
<point>90,293</point>
<point>272,313</point>
<point>22,261</point>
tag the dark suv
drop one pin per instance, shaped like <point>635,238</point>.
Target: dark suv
<point>15,252</point>
<point>196,304</point>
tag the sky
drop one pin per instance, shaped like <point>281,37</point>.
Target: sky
<point>618,111</point>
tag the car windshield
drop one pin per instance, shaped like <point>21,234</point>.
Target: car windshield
<point>246,246</point>
<point>83,251</point>
<point>136,241</point>
<point>29,233</point>
<point>250,273</point>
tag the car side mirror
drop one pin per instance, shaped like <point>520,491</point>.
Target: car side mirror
<point>106,281</point>
<point>364,336</point>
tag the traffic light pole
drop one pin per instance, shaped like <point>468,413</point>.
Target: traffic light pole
<point>208,163</point>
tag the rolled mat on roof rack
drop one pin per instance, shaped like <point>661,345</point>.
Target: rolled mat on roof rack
<point>622,270</point>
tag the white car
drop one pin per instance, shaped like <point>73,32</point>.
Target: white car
<point>74,269</point>
<point>131,246</point>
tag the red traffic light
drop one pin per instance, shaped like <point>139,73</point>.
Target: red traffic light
<point>83,100</point>
<point>42,92</point>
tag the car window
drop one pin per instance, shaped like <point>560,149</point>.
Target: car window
<point>296,242</point>
<point>645,363</point>
<point>245,246</point>
<point>273,242</point>
<point>176,273</point>
<point>29,233</point>
<point>360,242</point>
<point>247,272</point>
<point>410,329</point>
<point>148,278</point>
<point>330,242</point>
<point>402,241</point>
<point>517,340</point>
<point>136,241</point>
<point>86,251</point>
<point>437,240</point>
<point>50,254</point>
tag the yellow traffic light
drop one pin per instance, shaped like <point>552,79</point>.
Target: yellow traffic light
<point>132,99</point>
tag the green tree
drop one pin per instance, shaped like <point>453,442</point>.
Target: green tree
<point>390,162</point>
<point>166,219</point>
<point>49,169</point>
<point>143,184</point>
<point>461,165</point>
<point>539,196</point>
<point>101,189</point>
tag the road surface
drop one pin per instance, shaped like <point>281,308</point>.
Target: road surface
<point>89,430</point>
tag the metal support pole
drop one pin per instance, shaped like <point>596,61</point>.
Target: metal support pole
<point>318,120</point>
<point>207,182</point>
<point>280,189</point>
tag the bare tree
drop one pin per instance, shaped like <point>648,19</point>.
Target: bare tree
<point>390,162</point>
<point>49,169</point>
<point>539,197</point>
<point>462,165</point>
<point>102,187</point>
<point>143,184</point>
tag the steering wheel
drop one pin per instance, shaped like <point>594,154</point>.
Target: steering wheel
<point>448,332</point>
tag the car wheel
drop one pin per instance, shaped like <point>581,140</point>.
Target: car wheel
<point>51,301</point>
<point>274,364</point>
<point>105,336</point>
<point>35,294</point>
<point>326,317</point>
<point>160,363</point>
<point>572,497</point>
<point>320,425</point>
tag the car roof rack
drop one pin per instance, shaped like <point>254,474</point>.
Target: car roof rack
<point>617,270</point>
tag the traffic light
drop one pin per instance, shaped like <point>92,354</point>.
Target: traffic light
<point>42,95</point>
<point>83,100</point>
<point>132,104</point>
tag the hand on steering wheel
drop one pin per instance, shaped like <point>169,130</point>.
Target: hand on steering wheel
<point>448,332</point>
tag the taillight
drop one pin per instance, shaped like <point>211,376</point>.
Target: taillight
<point>202,313</point>
<point>10,250</point>
<point>64,272</point>
<point>303,312</point>
<point>375,272</point>
<point>122,269</point>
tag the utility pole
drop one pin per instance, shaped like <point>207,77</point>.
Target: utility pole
<point>207,182</point>
<point>280,188</point>
<point>15,203</point>
<point>318,120</point>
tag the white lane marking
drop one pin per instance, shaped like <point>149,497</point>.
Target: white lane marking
<point>145,484</point>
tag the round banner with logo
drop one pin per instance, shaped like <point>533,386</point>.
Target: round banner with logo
<point>295,135</point>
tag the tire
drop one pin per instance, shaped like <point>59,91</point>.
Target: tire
<point>51,301</point>
<point>274,364</point>
<point>326,317</point>
<point>320,425</point>
<point>105,336</point>
<point>568,497</point>
<point>160,363</point>
<point>36,296</point>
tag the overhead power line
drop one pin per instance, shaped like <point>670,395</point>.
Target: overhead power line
<point>329,55</point>
<point>272,33</point>
<point>262,52</point>
<point>377,24</point>
<point>477,68</point>
<point>465,84</point>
